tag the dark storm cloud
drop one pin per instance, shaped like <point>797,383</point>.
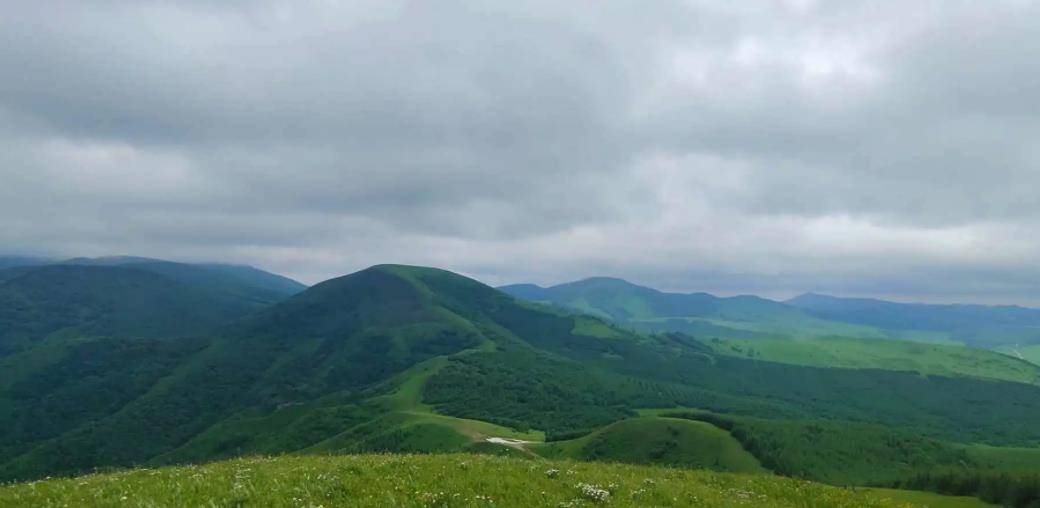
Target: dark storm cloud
<point>754,146</point>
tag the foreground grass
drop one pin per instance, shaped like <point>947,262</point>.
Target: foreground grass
<point>432,480</point>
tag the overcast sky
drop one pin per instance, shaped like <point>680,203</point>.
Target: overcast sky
<point>772,147</point>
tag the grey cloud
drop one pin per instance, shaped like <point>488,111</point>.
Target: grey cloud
<point>769,146</point>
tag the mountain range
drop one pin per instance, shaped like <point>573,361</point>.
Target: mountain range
<point>810,314</point>
<point>122,362</point>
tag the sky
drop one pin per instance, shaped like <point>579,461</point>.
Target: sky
<point>867,148</point>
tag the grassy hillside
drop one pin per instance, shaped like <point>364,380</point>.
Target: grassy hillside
<point>853,353</point>
<point>444,480</point>
<point>839,452</point>
<point>531,388</point>
<point>995,459</point>
<point>654,440</point>
<point>79,342</point>
<point>396,421</point>
<point>321,350</point>
<point>1030,354</point>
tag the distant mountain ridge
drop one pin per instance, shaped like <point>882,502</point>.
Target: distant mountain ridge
<point>129,297</point>
<point>623,300</point>
<point>812,314</point>
<point>275,286</point>
<point>703,314</point>
<point>14,261</point>
<point>244,272</point>
<point>978,325</point>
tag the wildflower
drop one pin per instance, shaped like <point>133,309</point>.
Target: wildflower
<point>552,473</point>
<point>593,492</point>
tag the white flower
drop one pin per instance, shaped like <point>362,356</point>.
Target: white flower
<point>593,492</point>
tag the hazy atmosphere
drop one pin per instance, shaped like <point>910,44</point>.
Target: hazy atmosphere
<point>859,148</point>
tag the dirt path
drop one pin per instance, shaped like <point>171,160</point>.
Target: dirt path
<point>514,443</point>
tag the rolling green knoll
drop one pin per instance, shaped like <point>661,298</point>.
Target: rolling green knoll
<point>654,440</point>
<point>443,480</point>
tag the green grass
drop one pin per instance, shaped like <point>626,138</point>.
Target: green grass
<point>854,353</point>
<point>402,422</point>
<point>407,400</point>
<point>916,498</point>
<point>594,328</point>
<point>653,440</point>
<point>774,326</point>
<point>1005,459</point>
<point>438,480</point>
<point>1030,354</point>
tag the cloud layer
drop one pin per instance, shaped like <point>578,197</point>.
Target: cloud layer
<point>873,148</point>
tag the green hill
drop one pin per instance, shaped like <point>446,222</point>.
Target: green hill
<point>224,280</point>
<point>654,440</point>
<point>97,301</point>
<point>849,453</point>
<point>446,480</point>
<point>78,342</point>
<point>409,359</point>
<point>130,298</point>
